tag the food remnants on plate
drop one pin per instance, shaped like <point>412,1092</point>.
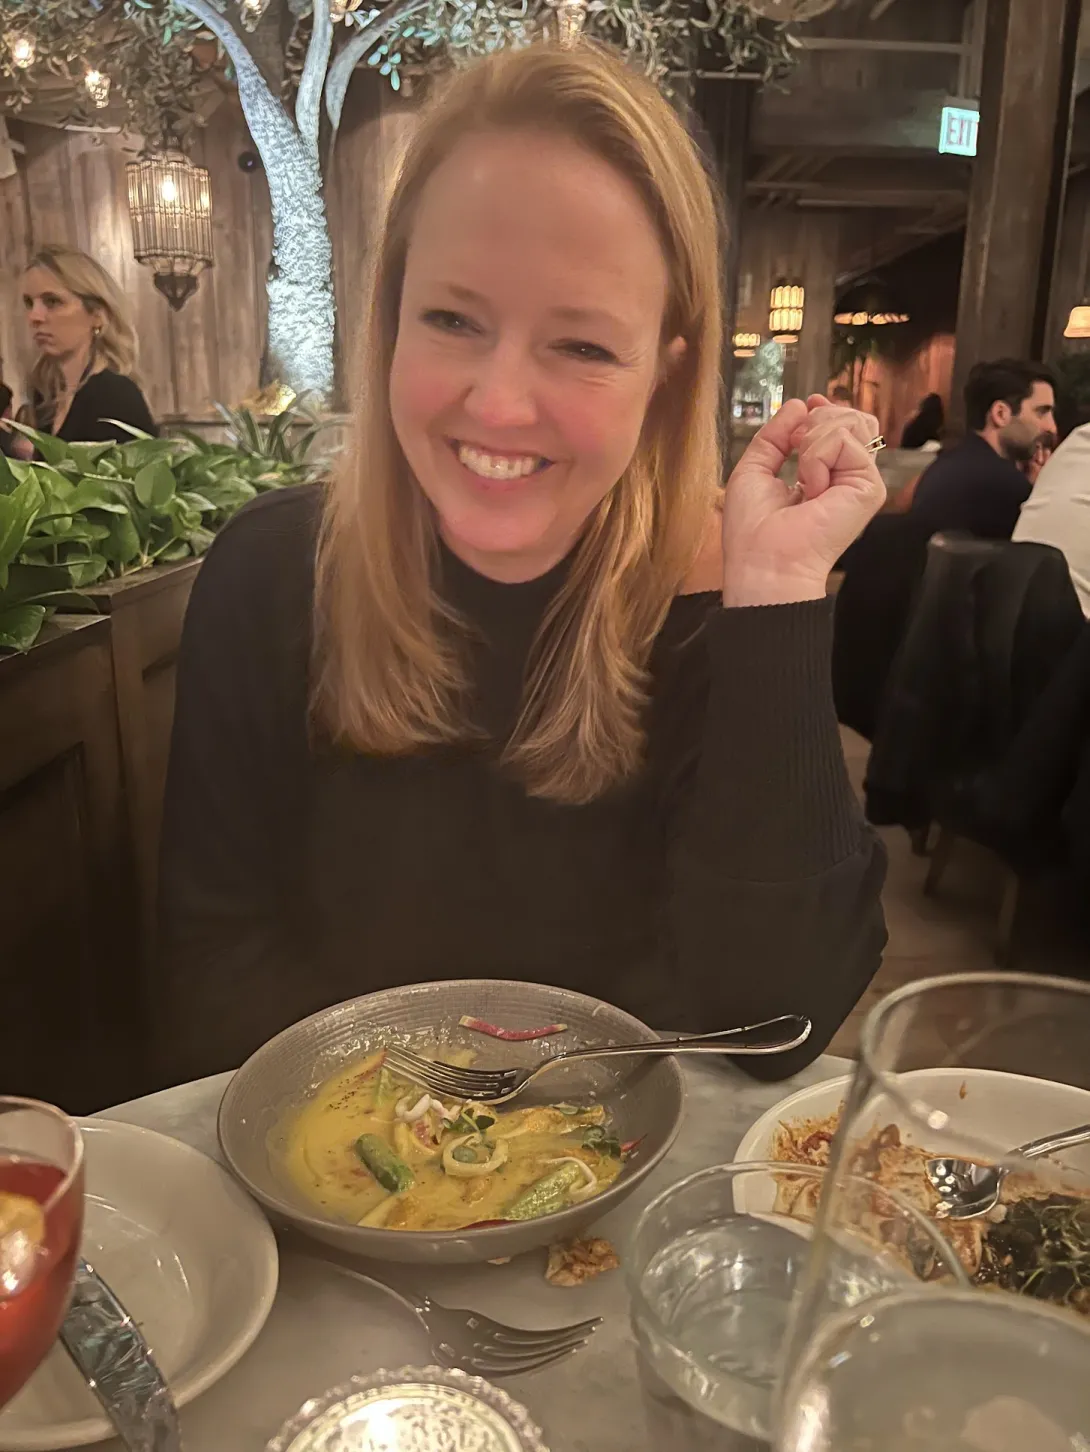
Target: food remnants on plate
<point>373,1149</point>
<point>1034,1241</point>
<point>572,1262</point>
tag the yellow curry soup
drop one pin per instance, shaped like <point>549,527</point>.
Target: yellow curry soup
<point>372,1149</point>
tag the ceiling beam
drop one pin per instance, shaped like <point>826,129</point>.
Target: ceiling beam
<point>888,47</point>
<point>828,195</point>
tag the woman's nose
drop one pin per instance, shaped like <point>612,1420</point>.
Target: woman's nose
<point>501,393</point>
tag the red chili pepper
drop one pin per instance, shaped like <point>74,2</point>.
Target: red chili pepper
<point>511,1036</point>
<point>487,1224</point>
<point>630,1145</point>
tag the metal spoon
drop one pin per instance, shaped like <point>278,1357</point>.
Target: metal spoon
<point>969,1189</point>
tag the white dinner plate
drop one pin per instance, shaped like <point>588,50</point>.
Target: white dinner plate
<point>190,1256</point>
<point>996,1108</point>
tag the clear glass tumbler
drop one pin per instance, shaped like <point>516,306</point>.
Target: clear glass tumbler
<point>714,1267</point>
<point>943,1371</point>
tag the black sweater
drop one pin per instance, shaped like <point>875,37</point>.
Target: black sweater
<point>734,879</point>
<point>106,399</point>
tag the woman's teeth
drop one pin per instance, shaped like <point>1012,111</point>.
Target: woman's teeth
<point>497,466</point>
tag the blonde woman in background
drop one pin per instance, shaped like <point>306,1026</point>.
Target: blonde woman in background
<point>80,323</point>
<point>513,699</point>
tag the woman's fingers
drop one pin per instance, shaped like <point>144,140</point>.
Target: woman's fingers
<point>772,445</point>
<point>835,449</point>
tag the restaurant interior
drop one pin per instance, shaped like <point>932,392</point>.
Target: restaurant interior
<point>286,942</point>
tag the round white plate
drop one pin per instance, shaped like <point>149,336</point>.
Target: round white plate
<point>996,1108</point>
<point>189,1254</point>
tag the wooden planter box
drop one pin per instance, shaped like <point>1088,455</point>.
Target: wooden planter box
<point>85,723</point>
<point>73,1015</point>
<point>146,610</point>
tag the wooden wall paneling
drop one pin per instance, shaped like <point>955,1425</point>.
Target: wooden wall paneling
<point>893,389</point>
<point>193,330</point>
<point>820,243</point>
<point>377,124</point>
<point>14,344</point>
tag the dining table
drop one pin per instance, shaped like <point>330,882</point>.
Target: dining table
<point>326,1325</point>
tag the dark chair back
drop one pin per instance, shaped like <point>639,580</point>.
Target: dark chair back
<point>882,571</point>
<point>991,622</point>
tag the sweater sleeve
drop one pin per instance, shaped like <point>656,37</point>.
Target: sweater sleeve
<point>229,961</point>
<point>775,876</point>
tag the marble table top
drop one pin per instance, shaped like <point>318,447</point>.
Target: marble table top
<point>325,1325</point>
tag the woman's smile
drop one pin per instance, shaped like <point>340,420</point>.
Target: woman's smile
<point>498,466</point>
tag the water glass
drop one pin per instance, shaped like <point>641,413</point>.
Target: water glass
<point>714,1267</point>
<point>942,1371</point>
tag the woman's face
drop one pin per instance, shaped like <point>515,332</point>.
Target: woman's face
<point>529,345</point>
<point>59,321</point>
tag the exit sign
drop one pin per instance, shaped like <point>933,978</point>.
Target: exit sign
<point>957,130</point>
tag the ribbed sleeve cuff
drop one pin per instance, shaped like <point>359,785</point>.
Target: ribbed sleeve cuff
<point>774,800</point>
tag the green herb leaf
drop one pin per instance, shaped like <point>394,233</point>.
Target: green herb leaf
<point>19,625</point>
<point>154,484</point>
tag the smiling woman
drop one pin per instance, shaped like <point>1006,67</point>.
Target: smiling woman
<point>514,698</point>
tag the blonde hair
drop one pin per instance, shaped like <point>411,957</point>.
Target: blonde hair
<point>389,677</point>
<point>114,346</point>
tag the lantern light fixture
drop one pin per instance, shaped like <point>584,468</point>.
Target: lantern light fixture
<point>786,310</point>
<point>23,50</point>
<point>170,204</point>
<point>97,85</point>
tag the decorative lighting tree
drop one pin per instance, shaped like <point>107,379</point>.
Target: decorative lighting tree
<point>292,61</point>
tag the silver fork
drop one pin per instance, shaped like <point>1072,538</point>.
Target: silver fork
<point>476,1343</point>
<point>494,1086</point>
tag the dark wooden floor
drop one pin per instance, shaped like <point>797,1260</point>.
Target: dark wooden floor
<point>953,932</point>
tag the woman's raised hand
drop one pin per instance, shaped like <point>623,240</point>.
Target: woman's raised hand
<point>779,541</point>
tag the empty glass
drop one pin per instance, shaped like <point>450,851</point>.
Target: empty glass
<point>942,1371</point>
<point>714,1267</point>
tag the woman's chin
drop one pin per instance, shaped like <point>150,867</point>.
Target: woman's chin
<point>509,550</point>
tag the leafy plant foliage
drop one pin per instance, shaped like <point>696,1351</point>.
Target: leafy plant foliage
<point>85,513</point>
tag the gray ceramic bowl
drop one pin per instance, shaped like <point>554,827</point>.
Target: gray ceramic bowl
<point>644,1097</point>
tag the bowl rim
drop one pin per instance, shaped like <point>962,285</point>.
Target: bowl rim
<point>372,1235</point>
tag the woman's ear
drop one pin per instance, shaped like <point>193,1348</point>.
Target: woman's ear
<point>672,355</point>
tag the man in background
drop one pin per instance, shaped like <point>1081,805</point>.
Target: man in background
<point>1057,513</point>
<point>980,485</point>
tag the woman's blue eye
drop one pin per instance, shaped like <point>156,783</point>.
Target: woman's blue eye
<point>588,352</point>
<point>447,321</point>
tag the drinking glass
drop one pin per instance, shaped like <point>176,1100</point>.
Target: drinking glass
<point>41,1217</point>
<point>714,1265</point>
<point>945,1371</point>
<point>970,1067</point>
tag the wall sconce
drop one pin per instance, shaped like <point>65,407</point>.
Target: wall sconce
<point>786,308</point>
<point>746,344</point>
